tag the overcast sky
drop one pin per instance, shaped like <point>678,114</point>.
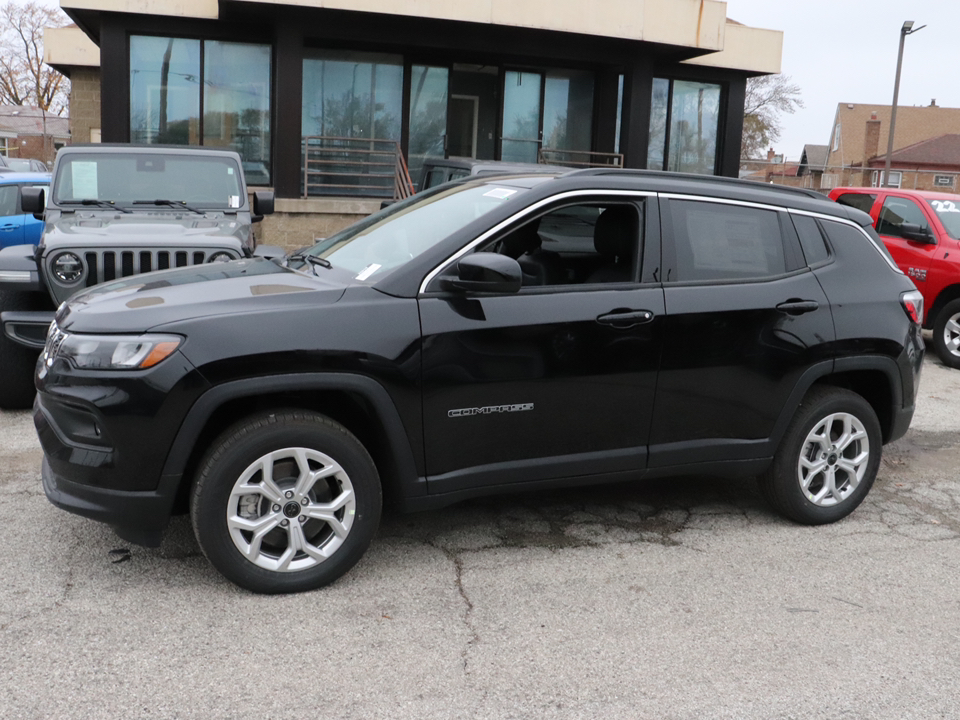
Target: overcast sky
<point>846,51</point>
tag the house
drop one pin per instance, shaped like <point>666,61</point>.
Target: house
<point>29,132</point>
<point>860,134</point>
<point>336,103</point>
<point>813,162</point>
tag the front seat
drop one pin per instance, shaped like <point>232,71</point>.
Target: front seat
<point>540,267</point>
<point>615,238</point>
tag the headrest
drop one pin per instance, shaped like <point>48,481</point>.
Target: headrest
<point>615,234</point>
<point>522,240</point>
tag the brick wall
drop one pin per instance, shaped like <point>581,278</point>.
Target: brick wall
<point>300,223</point>
<point>84,103</point>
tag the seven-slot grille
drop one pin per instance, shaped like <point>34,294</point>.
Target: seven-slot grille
<point>105,265</point>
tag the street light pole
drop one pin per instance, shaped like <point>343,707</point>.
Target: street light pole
<point>907,29</point>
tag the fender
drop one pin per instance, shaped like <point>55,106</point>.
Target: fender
<point>19,271</point>
<point>407,482</point>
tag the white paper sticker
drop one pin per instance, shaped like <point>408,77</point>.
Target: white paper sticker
<point>368,271</point>
<point>499,193</point>
<point>229,171</point>
<point>234,201</point>
<point>84,175</point>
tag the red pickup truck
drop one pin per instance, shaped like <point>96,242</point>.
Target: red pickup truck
<point>921,230</point>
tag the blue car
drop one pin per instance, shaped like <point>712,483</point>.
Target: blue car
<point>16,226</point>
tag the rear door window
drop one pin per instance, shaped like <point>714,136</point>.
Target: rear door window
<point>860,201</point>
<point>815,249</point>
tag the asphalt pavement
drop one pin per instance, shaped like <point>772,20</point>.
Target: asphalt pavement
<point>668,599</point>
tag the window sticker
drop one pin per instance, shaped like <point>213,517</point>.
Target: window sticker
<point>234,201</point>
<point>367,271</point>
<point>229,171</point>
<point>84,175</point>
<point>499,193</point>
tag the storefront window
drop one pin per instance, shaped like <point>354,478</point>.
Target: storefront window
<point>684,121</point>
<point>164,90</point>
<point>236,103</point>
<point>168,88</point>
<point>568,110</point>
<point>521,117</point>
<point>428,116</point>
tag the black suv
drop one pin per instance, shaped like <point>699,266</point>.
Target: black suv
<point>495,334</point>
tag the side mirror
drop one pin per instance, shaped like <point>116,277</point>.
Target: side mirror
<point>912,231</point>
<point>486,273</point>
<point>32,201</point>
<point>262,205</point>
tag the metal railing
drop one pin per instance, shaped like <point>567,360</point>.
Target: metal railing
<point>355,167</point>
<point>579,158</point>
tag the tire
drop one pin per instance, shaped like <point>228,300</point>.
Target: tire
<point>827,460</point>
<point>946,334</point>
<point>299,532</point>
<point>17,363</point>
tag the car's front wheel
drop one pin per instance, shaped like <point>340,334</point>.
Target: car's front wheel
<point>827,460</point>
<point>285,501</point>
<point>946,334</point>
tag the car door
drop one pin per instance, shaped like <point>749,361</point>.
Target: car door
<point>745,317</point>
<point>556,380</point>
<point>11,219</point>
<point>911,255</point>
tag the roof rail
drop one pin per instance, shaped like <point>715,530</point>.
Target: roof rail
<point>698,178</point>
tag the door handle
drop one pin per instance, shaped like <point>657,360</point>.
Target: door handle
<point>624,319</point>
<point>798,307</point>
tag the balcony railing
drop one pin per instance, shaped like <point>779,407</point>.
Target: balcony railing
<point>579,158</point>
<point>338,166</point>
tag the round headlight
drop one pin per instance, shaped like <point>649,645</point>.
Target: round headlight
<point>220,257</point>
<point>67,267</point>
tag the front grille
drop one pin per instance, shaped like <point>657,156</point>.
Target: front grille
<point>105,265</point>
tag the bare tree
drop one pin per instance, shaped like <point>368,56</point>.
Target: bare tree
<point>24,78</point>
<point>768,97</point>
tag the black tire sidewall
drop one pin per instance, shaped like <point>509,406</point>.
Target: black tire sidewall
<point>939,325</point>
<point>233,453</point>
<point>783,486</point>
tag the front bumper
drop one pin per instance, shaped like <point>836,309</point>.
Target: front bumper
<point>138,517</point>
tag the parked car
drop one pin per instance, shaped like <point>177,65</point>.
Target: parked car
<point>4,168</point>
<point>27,165</point>
<point>437,171</point>
<point>18,227</point>
<point>115,211</point>
<point>921,230</point>
<point>496,334</point>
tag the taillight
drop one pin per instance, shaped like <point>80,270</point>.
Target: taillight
<point>913,305</point>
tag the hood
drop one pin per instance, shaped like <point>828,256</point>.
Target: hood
<point>142,302</point>
<point>156,227</point>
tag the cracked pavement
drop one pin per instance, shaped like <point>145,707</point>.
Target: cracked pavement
<point>666,599</point>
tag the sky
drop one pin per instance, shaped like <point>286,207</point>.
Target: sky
<point>845,51</point>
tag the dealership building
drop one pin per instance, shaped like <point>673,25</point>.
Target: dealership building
<point>337,104</point>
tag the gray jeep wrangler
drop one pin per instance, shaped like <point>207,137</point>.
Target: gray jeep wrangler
<point>115,211</point>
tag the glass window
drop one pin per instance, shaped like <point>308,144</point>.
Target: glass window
<point>860,201</point>
<point>726,242</point>
<point>8,200</point>
<point>897,211</point>
<point>949,215</point>
<point>876,179</point>
<point>164,90</point>
<point>616,141</point>
<point>236,103</point>
<point>576,244</point>
<point>814,247</point>
<point>568,110</point>
<point>521,117</point>
<point>657,148</point>
<point>428,116</point>
<point>352,95</point>
<point>694,118</point>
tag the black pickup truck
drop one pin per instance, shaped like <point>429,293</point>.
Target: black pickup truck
<point>495,334</point>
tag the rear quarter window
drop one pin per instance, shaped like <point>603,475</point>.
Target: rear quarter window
<point>814,246</point>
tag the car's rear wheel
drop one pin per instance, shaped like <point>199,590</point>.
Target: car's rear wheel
<point>17,363</point>
<point>828,459</point>
<point>286,502</point>
<point>946,334</point>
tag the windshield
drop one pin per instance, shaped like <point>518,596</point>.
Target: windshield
<point>949,215</point>
<point>373,247</point>
<point>205,181</point>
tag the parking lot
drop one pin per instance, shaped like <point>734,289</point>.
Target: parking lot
<point>669,599</point>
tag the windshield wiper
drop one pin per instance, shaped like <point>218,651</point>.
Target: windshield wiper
<point>171,203</point>
<point>99,203</point>
<point>312,259</point>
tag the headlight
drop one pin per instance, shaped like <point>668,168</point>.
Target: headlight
<point>67,267</point>
<point>111,352</point>
<point>221,257</point>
